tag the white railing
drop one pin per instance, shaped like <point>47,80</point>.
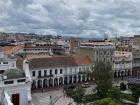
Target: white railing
<point>101,46</point>
<point>7,100</point>
<point>136,56</point>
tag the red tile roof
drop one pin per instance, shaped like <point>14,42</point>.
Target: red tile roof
<point>67,61</point>
<point>84,60</point>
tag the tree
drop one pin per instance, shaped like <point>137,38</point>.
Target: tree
<point>107,101</point>
<point>115,93</point>
<point>78,95</point>
<point>136,93</point>
<point>103,78</point>
<point>122,86</point>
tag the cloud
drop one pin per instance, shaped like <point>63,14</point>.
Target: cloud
<point>91,18</point>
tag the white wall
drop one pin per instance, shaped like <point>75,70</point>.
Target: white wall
<point>11,65</point>
<point>65,71</point>
<point>18,89</point>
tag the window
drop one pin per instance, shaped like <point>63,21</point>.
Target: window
<point>61,71</point>
<point>45,73</point>
<point>39,73</point>
<point>55,71</point>
<point>104,59</point>
<point>5,62</point>
<point>80,69</point>
<point>50,72</point>
<point>21,80</point>
<point>97,52</point>
<point>9,82</point>
<point>13,65</point>
<point>33,73</point>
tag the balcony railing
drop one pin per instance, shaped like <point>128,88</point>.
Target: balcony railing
<point>136,64</point>
<point>45,76</point>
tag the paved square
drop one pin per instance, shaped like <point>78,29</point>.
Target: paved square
<point>57,98</point>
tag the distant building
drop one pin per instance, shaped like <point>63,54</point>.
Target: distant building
<point>103,51</point>
<point>122,64</point>
<point>74,44</point>
<point>126,48</point>
<point>136,62</point>
<point>136,40</point>
<point>123,41</point>
<point>58,47</point>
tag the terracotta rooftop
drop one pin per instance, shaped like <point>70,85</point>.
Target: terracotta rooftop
<point>82,60</point>
<point>12,49</point>
<point>67,61</point>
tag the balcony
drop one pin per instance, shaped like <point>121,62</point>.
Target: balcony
<point>45,76</point>
<point>136,56</point>
<point>136,64</point>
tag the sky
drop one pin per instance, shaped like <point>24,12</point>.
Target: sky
<point>87,18</point>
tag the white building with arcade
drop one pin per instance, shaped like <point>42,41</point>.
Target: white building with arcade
<point>53,71</point>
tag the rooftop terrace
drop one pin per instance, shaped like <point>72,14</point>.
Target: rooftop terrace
<point>14,73</point>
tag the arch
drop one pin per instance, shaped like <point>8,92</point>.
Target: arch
<point>122,73</point>
<point>129,73</point>
<point>70,80</point>
<point>88,78</point>
<point>133,72</point>
<point>33,84</point>
<point>119,74</point>
<point>136,73</point>
<point>75,79</point>
<point>50,82</point>
<point>45,83</point>
<point>115,74</point>
<point>79,78</point>
<point>60,80</point>
<point>55,81</point>
<point>39,83</point>
<point>83,79</point>
<point>65,80</point>
<point>126,73</point>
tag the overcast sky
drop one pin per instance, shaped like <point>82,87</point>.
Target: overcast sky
<point>88,18</point>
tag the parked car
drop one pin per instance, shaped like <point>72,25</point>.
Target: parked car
<point>85,85</point>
